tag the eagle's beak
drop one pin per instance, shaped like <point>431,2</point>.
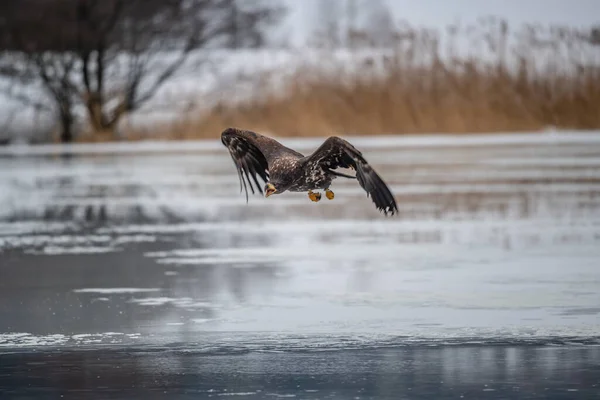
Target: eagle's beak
<point>270,189</point>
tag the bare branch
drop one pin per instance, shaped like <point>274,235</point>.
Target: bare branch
<point>25,99</point>
<point>163,77</point>
<point>102,53</point>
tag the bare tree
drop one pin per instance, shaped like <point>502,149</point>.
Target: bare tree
<point>378,25</point>
<point>112,56</point>
<point>327,31</point>
<point>351,14</point>
<point>353,23</point>
<point>247,21</point>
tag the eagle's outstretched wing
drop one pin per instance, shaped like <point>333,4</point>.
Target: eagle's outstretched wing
<point>251,152</point>
<point>335,152</point>
<point>249,160</point>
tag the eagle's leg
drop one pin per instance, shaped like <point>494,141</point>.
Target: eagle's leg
<point>329,194</point>
<point>314,196</point>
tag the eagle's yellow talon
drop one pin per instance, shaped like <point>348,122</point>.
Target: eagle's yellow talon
<point>330,195</point>
<point>314,196</point>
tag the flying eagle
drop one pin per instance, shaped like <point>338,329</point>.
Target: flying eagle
<point>283,169</point>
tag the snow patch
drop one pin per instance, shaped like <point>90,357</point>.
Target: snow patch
<point>116,290</point>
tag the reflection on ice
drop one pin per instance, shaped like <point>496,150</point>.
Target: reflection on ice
<point>199,184</point>
<point>497,238</point>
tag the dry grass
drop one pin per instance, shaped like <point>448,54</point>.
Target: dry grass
<point>529,80</point>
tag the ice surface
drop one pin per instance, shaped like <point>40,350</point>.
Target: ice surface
<point>496,241</point>
<point>116,290</point>
<point>10,340</point>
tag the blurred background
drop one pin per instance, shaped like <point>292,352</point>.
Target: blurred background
<point>74,70</point>
<point>131,266</point>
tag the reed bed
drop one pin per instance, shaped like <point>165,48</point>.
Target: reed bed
<point>485,77</point>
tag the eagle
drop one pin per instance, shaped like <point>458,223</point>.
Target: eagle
<point>283,169</point>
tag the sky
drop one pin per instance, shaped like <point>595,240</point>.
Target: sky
<point>440,13</point>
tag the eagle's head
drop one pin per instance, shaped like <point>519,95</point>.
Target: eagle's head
<point>270,189</point>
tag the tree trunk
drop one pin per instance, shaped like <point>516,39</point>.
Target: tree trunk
<point>94,108</point>
<point>103,126</point>
<point>66,125</point>
<point>66,133</point>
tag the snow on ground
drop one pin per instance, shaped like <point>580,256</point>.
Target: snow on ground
<point>365,142</point>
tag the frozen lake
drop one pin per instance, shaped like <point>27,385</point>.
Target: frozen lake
<point>147,256</point>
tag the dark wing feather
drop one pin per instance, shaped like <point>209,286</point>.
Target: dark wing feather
<point>249,159</point>
<point>335,152</point>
